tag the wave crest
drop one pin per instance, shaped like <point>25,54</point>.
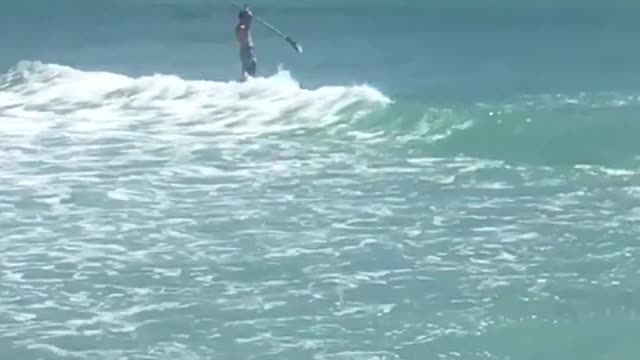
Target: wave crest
<point>279,99</point>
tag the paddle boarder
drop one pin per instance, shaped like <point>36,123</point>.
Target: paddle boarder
<point>243,33</point>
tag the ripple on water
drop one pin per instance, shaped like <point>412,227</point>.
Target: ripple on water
<point>113,246</point>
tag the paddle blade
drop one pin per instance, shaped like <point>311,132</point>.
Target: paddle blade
<point>294,44</point>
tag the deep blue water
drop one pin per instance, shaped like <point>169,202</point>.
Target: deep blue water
<point>428,52</point>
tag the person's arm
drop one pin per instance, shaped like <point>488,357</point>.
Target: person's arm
<point>249,17</point>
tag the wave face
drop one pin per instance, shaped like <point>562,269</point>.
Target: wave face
<point>540,130</point>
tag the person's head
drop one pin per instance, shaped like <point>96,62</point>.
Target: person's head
<point>244,16</point>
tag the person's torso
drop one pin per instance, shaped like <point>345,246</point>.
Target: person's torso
<point>244,37</point>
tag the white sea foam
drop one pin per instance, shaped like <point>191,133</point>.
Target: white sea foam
<point>35,96</point>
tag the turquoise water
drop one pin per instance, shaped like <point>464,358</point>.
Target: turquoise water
<point>426,181</point>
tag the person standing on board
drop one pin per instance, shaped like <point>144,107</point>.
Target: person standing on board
<point>243,33</point>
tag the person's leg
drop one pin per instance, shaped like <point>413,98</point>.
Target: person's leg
<point>251,68</point>
<point>249,63</point>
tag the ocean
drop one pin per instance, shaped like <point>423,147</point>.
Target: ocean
<point>427,180</point>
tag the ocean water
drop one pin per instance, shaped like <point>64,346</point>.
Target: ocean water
<point>426,181</point>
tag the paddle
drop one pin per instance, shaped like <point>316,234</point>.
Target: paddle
<point>287,38</point>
